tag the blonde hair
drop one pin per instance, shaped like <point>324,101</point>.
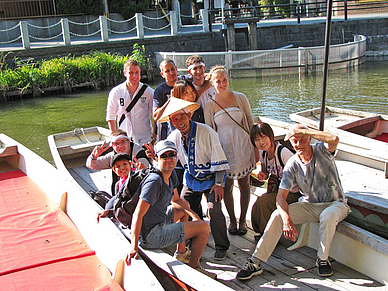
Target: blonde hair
<point>218,69</point>
<point>131,62</point>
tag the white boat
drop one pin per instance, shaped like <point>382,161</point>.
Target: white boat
<point>363,136</point>
<point>69,151</point>
<point>40,244</point>
<point>361,241</point>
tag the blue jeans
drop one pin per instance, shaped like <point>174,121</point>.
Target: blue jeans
<point>164,234</point>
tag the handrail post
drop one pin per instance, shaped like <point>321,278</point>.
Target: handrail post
<point>65,31</point>
<point>139,25</point>
<point>104,28</point>
<point>24,34</point>
<point>228,61</point>
<point>346,9</point>
<point>174,23</point>
<point>298,11</point>
<point>205,20</point>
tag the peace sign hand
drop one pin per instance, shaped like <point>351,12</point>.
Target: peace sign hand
<point>136,164</point>
<point>99,150</point>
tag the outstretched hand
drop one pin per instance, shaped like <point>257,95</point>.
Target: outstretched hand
<point>99,150</point>
<point>136,164</point>
<point>150,152</point>
<point>101,215</point>
<point>134,253</point>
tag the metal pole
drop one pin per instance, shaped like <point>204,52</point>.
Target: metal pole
<point>326,64</point>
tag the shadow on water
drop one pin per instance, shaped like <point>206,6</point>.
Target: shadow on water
<point>365,88</point>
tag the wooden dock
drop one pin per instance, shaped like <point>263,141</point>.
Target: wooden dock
<point>285,269</point>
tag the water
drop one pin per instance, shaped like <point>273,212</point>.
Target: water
<point>365,89</point>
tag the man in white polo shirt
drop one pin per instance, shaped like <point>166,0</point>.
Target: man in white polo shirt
<point>137,122</point>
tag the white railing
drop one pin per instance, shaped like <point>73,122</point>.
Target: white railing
<point>67,30</point>
<point>302,59</point>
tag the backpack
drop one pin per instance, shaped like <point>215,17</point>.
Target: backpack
<point>101,197</point>
<point>123,204</point>
<point>279,156</point>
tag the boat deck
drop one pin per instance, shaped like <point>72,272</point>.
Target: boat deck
<point>285,269</point>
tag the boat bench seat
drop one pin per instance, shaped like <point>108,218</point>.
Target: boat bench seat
<point>350,230</point>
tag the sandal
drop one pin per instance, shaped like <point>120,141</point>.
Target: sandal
<point>233,231</point>
<point>242,231</point>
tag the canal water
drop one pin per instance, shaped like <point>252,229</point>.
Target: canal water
<point>365,88</point>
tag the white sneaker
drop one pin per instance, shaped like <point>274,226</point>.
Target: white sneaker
<point>183,257</point>
<point>207,273</point>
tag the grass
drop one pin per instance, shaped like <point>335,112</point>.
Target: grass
<point>98,68</point>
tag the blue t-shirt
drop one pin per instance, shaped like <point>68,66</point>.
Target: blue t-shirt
<point>158,194</point>
<point>160,98</point>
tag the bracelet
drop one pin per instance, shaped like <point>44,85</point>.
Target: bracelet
<point>219,184</point>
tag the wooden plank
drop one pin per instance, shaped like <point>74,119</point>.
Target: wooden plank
<point>97,180</point>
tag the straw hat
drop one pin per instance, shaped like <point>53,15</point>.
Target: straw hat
<point>174,105</point>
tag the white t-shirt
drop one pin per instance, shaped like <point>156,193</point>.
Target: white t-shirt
<point>138,122</point>
<point>206,96</point>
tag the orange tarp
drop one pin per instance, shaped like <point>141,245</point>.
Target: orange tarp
<point>40,248</point>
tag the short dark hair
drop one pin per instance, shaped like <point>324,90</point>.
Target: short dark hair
<point>261,129</point>
<point>194,59</point>
<point>165,62</point>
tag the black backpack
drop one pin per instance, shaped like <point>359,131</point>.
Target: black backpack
<point>123,204</point>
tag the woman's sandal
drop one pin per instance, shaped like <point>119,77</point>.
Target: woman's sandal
<point>242,231</point>
<point>233,231</point>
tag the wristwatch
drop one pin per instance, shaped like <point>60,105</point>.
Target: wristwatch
<point>219,184</point>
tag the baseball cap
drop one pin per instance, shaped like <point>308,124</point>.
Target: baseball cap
<point>119,157</point>
<point>164,146</point>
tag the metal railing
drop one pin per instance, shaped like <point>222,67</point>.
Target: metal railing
<point>303,60</point>
<point>27,8</point>
<point>67,30</point>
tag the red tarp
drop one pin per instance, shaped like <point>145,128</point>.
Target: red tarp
<point>40,248</point>
<point>382,137</point>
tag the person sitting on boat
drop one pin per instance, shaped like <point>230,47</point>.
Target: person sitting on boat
<point>153,224</point>
<point>184,89</point>
<point>272,156</point>
<point>314,171</point>
<point>204,161</point>
<point>120,142</point>
<point>136,122</point>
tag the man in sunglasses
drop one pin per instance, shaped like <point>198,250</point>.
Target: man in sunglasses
<point>204,161</point>
<point>159,224</point>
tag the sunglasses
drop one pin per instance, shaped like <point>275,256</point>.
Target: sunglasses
<point>171,155</point>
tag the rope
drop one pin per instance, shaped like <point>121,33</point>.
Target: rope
<point>46,38</point>
<point>78,23</point>
<point>113,31</point>
<point>78,132</point>
<point>155,29</point>
<point>83,35</point>
<point>42,27</point>
<point>8,29</point>
<point>9,41</point>
<point>156,18</point>
<point>189,16</point>
<point>121,21</point>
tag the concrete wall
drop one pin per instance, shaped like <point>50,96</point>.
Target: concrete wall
<point>376,31</point>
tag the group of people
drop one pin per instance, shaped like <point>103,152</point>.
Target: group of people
<point>203,138</point>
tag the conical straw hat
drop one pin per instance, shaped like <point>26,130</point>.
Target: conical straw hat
<point>174,105</point>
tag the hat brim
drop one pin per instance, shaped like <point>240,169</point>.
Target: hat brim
<point>174,105</point>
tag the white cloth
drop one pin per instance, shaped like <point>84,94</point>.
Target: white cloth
<point>235,142</point>
<point>138,122</point>
<point>205,156</point>
<point>206,96</point>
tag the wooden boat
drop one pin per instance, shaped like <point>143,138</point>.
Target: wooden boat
<point>69,151</point>
<point>361,241</point>
<point>363,136</point>
<point>40,244</point>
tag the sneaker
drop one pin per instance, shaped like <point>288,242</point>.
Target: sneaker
<point>220,255</point>
<point>249,270</point>
<point>207,273</point>
<point>183,257</point>
<point>324,268</point>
